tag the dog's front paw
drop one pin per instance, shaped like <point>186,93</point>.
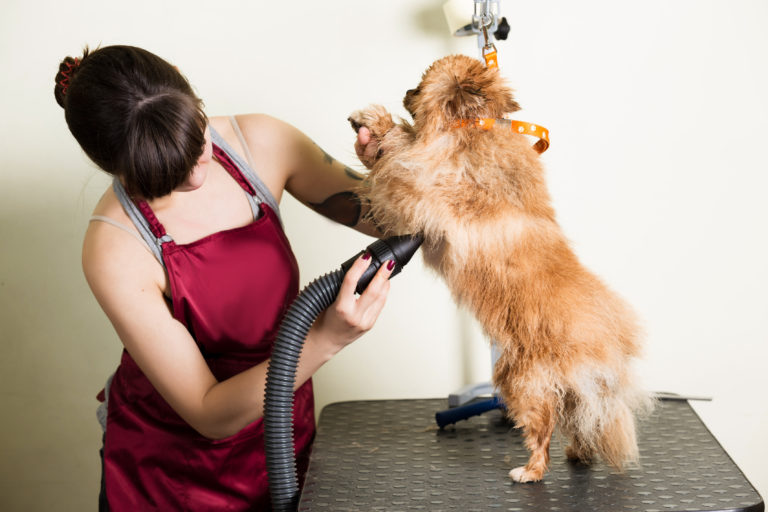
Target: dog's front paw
<point>378,122</point>
<point>375,118</point>
<point>523,475</point>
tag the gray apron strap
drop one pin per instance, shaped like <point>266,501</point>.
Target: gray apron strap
<point>155,244</point>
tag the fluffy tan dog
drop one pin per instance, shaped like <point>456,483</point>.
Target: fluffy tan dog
<point>480,199</point>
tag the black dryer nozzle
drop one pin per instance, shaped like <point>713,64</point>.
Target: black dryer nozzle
<point>398,248</point>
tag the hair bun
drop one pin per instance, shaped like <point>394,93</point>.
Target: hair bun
<point>67,70</point>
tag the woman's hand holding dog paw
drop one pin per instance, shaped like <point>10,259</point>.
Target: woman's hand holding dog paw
<point>371,125</point>
<point>366,147</point>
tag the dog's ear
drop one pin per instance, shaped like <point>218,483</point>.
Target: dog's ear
<point>510,105</point>
<point>410,99</point>
<point>498,95</point>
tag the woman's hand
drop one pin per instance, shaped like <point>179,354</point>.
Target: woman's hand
<point>366,147</point>
<point>349,316</point>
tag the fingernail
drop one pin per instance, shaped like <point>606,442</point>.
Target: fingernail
<point>390,264</point>
<point>366,256</point>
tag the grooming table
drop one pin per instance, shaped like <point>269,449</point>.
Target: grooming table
<point>389,456</point>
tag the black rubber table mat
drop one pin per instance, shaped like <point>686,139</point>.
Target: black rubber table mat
<point>390,456</point>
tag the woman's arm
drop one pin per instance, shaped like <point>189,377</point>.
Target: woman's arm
<point>127,282</point>
<point>309,173</point>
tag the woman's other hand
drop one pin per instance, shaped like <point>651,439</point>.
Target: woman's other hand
<point>350,316</point>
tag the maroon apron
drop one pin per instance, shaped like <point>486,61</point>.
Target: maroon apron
<point>231,290</point>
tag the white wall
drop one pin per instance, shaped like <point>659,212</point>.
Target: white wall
<point>658,116</point>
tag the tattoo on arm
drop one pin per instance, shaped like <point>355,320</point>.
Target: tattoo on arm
<point>352,174</point>
<point>343,207</point>
<point>326,157</point>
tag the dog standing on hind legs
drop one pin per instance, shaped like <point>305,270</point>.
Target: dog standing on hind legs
<point>479,197</point>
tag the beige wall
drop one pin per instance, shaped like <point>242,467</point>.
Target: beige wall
<point>657,111</point>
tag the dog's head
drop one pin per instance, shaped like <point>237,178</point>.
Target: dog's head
<point>458,87</point>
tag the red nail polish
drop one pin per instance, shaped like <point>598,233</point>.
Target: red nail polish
<point>390,264</point>
<point>366,256</point>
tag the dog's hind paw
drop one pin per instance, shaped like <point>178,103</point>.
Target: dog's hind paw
<point>576,455</point>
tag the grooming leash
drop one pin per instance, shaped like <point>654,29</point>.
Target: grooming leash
<point>522,127</point>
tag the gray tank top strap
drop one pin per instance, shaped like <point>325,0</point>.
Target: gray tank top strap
<point>155,244</point>
<point>262,192</point>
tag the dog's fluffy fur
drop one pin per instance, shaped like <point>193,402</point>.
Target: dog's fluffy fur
<point>480,199</point>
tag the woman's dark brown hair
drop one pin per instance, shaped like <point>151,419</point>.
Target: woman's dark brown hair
<point>134,115</point>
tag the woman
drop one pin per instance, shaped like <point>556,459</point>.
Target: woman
<point>187,257</point>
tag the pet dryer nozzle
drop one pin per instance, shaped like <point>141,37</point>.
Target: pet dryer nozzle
<point>281,374</point>
<point>400,249</point>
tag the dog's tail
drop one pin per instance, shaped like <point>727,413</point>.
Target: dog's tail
<point>601,421</point>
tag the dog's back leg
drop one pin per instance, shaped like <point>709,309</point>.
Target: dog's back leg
<point>602,426</point>
<point>579,449</point>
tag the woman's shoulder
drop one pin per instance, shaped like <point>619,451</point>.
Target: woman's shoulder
<point>113,248</point>
<point>109,216</point>
<point>257,128</point>
<point>253,119</point>
<point>270,143</point>
<point>109,206</point>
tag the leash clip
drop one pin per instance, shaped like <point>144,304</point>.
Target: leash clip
<point>489,50</point>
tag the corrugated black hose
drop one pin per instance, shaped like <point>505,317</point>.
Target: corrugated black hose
<point>281,375</point>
